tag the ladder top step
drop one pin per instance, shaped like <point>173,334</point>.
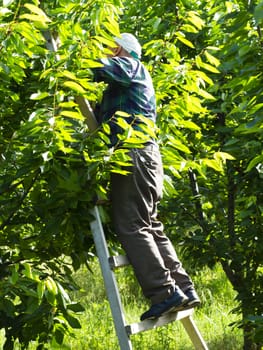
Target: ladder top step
<point>135,328</point>
<point>118,261</point>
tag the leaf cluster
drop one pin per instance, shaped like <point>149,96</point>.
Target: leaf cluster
<point>206,62</point>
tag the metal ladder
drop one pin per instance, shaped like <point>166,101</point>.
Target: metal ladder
<point>124,331</point>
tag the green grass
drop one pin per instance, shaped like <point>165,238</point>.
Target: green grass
<point>212,319</point>
<point>97,331</point>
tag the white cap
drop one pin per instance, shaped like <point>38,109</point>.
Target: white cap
<point>130,44</point>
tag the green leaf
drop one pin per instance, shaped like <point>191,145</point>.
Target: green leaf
<point>123,124</point>
<point>255,161</point>
<point>122,114</point>
<point>40,289</point>
<point>206,95</point>
<point>63,293</point>
<point>51,286</point>
<point>27,31</point>
<point>50,297</point>
<point>68,74</point>
<point>156,23</point>
<point>39,95</point>
<point>169,189</point>
<point>7,3</point>
<point>175,143</point>
<point>73,321</point>
<point>193,104</point>
<point>39,12</point>
<point>180,36</point>
<point>223,156</point>
<point>212,59</point>
<point>244,50</point>
<point>189,28</point>
<point>256,108</point>
<point>112,27</point>
<point>249,128</point>
<point>28,291</point>
<point>105,41</point>
<point>106,128</point>
<point>209,68</point>
<point>59,336</point>
<point>198,61</point>
<point>74,86</point>
<point>73,115</point>
<point>67,104</point>
<point>120,171</point>
<point>88,63</point>
<point>188,124</point>
<point>39,21</point>
<point>76,307</point>
<point>14,276</point>
<point>27,270</point>
<point>194,18</point>
<point>214,164</point>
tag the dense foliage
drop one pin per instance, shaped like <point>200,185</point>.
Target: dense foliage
<point>206,62</point>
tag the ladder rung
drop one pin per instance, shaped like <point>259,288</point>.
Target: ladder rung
<point>118,261</point>
<point>151,324</point>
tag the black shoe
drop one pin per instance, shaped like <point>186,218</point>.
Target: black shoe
<point>193,298</point>
<point>174,303</point>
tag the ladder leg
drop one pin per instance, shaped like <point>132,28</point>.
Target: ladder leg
<point>110,281</point>
<point>194,333</point>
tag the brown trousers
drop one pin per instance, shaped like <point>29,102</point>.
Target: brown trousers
<point>134,208</point>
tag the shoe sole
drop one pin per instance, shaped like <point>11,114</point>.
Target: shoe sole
<point>176,308</point>
<point>192,305</point>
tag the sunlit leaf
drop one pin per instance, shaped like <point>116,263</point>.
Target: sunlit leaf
<point>39,95</point>
<point>211,163</point>
<point>112,27</point>
<point>74,86</point>
<point>105,41</point>
<point>72,114</point>
<point>209,68</point>
<point>51,286</point>
<point>38,11</point>
<point>212,59</point>
<point>194,18</point>
<point>223,156</point>
<point>7,3</point>
<point>185,41</point>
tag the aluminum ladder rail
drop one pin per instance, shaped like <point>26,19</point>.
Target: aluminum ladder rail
<point>108,264</point>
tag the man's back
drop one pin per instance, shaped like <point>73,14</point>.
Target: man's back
<point>130,88</point>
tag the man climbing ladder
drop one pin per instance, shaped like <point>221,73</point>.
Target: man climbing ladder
<point>134,197</point>
<point>155,320</point>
